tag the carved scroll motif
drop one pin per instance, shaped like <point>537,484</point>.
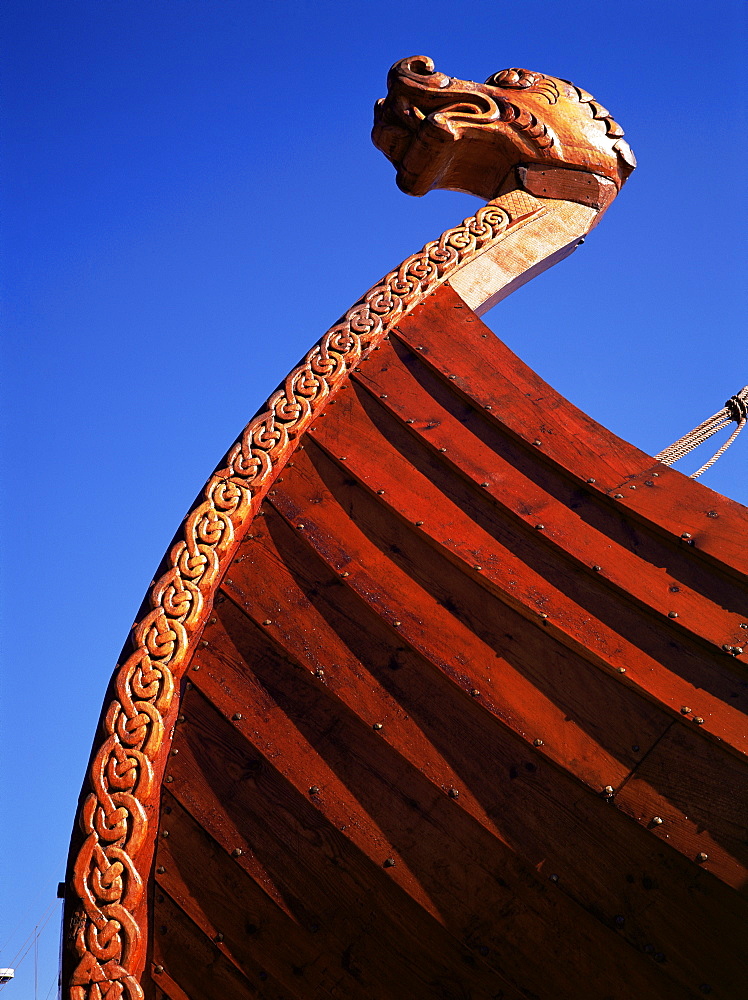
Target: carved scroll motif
<point>118,814</point>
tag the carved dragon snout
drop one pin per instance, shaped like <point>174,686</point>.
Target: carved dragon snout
<point>445,133</point>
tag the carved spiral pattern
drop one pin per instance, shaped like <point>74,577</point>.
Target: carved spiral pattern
<point>109,871</point>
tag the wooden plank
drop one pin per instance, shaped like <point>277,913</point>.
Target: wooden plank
<point>427,485</point>
<point>453,342</point>
<point>602,861</point>
<point>346,907</point>
<point>700,795</point>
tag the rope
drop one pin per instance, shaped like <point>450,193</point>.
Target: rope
<point>735,410</point>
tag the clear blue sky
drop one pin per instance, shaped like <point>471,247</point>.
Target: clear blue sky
<point>191,198</point>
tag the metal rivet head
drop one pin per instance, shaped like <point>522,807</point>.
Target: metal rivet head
<point>597,568</point>
<point>712,513</point>
<point>203,643</point>
<point>164,833</point>
<point>479,568</point>
<point>380,493</point>
<point>591,480</point>
<point>343,458</point>
<point>635,748</point>
<point>195,666</point>
<point>618,496</point>
<point>648,482</point>
<point>169,779</point>
<point>537,743</point>
<point>212,621</point>
<point>158,969</point>
<point>180,718</point>
<point>188,686</point>
<point>619,921</point>
<point>319,672</point>
<point>686,534</point>
<point>632,487</point>
<point>396,624</point>
<point>174,752</point>
<point>345,573</point>
<point>701,857</point>
<point>419,523</point>
<point>621,670</point>
<point>219,936</point>
<point>608,791</point>
<point>237,852</point>
<point>300,527</point>
<point>537,442</point>
<point>475,693</point>
<point>484,484</point>
<point>442,449</point>
<point>685,710</point>
<point>539,527</point>
<point>488,406</point>
<point>553,878</point>
<point>698,720</point>
<point>543,614</point>
<point>160,870</point>
<point>237,716</point>
<point>453,376</point>
<point>410,420</point>
<point>656,475</point>
<point>378,725</point>
<point>314,790</point>
<point>388,863</point>
<point>453,793</point>
<point>672,614</point>
<point>657,821</point>
<point>383,396</point>
<point>267,622</point>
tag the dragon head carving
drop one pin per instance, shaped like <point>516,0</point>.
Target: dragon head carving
<point>445,133</point>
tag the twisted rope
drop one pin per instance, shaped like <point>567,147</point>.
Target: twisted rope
<point>735,410</point>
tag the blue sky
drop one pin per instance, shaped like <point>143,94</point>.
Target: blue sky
<point>191,198</point>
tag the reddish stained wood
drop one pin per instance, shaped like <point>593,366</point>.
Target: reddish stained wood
<point>452,341</point>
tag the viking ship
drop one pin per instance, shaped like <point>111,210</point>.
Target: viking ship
<point>440,690</point>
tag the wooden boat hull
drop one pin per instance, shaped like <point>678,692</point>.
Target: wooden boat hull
<point>440,692</point>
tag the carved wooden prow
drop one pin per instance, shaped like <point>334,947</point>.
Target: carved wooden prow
<point>534,146</point>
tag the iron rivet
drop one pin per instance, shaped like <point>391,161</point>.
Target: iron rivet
<point>648,482</point>
<point>737,650</point>
<point>453,793</point>
<point>727,649</point>
<point>608,791</point>
<point>672,614</point>
<point>597,568</point>
<point>180,718</point>
<point>712,513</point>
<point>343,458</point>
<point>169,779</point>
<point>219,937</point>
<point>539,527</point>
<point>619,921</point>
<point>621,670</point>
<point>591,480</point>
<point>657,821</point>
<point>537,743</point>
<point>188,686</point>
<point>195,666</point>
<point>383,396</point>
<point>553,878</point>
<point>396,624</point>
<point>160,870</point>
<point>164,833</point>
<point>488,407</point>
<point>618,496</point>
<point>389,863</point>
<point>442,449</point>
<point>453,376</point>
<point>656,475</point>
<point>203,643</point>
<point>419,523</point>
<point>377,725</point>
<point>174,752</point>
<point>685,710</point>
<point>237,716</point>
<point>475,693</point>
<point>380,492</point>
<point>267,622</point>
<point>698,720</point>
<point>158,968</point>
<point>237,852</point>
<point>300,527</point>
<point>744,624</point>
<point>314,790</point>
<point>319,672</point>
<point>635,748</point>
<point>419,348</point>
<point>229,581</point>
<point>345,573</point>
<point>632,487</point>
<point>212,621</point>
<point>536,442</point>
<point>701,857</point>
<point>478,568</point>
<point>686,534</point>
<point>484,484</point>
<point>543,614</point>
<point>410,420</point>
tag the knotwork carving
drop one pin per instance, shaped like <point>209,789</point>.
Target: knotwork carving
<point>118,814</point>
<point>516,118</point>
